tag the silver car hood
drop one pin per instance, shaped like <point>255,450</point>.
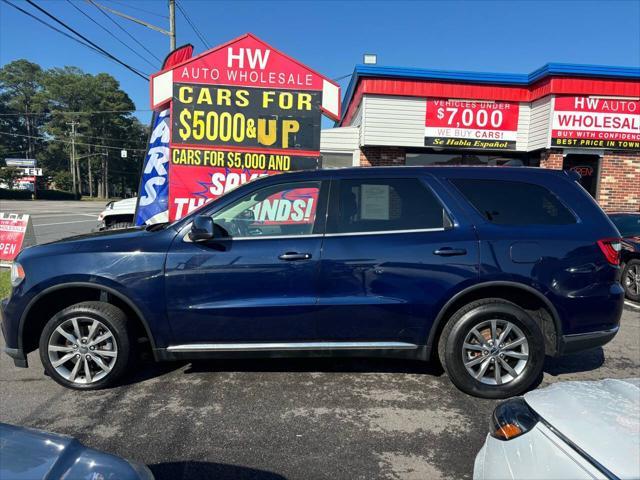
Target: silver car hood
<point>602,418</point>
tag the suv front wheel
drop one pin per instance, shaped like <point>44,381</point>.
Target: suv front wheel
<point>86,346</point>
<point>492,348</point>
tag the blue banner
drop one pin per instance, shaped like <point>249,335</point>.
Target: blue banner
<point>153,196</point>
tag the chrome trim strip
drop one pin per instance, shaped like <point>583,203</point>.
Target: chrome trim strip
<point>272,237</point>
<point>577,336</point>
<point>316,235</point>
<point>289,346</point>
<point>385,232</point>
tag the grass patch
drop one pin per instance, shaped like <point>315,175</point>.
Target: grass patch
<point>5,284</point>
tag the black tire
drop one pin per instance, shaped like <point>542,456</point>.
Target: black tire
<point>111,317</point>
<point>450,347</point>
<point>633,265</point>
<point>119,225</point>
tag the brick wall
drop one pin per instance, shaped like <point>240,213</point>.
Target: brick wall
<point>381,156</point>
<point>551,159</point>
<point>620,182</point>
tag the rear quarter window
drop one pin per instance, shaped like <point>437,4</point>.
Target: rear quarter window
<point>514,203</point>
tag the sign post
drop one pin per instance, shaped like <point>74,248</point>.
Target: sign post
<point>237,112</point>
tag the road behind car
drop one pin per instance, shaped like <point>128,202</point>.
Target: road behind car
<point>294,419</point>
<point>53,220</point>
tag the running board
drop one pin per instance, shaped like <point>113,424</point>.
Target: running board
<point>257,347</point>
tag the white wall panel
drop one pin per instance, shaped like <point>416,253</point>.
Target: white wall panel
<point>394,121</point>
<point>339,139</point>
<point>539,123</point>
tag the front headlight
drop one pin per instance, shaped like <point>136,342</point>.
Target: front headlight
<point>511,419</point>
<point>17,274</point>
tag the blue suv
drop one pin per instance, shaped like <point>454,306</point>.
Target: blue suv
<point>486,269</point>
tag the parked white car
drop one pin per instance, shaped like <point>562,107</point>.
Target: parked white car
<point>569,430</point>
<point>118,214</point>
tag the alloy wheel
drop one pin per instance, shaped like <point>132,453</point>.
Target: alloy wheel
<point>632,280</point>
<point>495,352</point>
<point>82,350</point>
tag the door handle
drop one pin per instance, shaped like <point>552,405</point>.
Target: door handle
<point>289,256</point>
<point>450,252</point>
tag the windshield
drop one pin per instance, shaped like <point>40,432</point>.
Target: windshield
<point>628,225</point>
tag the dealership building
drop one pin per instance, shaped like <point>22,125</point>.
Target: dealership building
<point>574,117</point>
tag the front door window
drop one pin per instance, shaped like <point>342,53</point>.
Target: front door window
<point>279,210</point>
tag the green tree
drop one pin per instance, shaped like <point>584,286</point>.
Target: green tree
<point>62,180</point>
<point>9,176</point>
<point>21,98</point>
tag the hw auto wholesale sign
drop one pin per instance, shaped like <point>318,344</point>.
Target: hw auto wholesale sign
<point>240,111</point>
<point>596,122</point>
<point>471,124</point>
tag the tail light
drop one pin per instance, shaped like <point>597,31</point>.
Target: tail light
<point>611,249</point>
<point>511,419</point>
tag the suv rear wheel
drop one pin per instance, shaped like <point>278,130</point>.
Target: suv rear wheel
<point>631,279</point>
<point>492,348</point>
<point>86,346</point>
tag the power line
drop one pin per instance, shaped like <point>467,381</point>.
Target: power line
<point>62,112</point>
<point>69,142</point>
<point>126,32</point>
<point>139,9</point>
<point>54,18</point>
<point>109,32</point>
<point>54,28</point>
<point>193,26</point>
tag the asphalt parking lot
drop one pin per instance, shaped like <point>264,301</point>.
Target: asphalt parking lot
<point>275,419</point>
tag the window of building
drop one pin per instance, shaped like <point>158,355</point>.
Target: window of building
<point>428,158</point>
<point>514,203</point>
<point>376,205</point>
<point>336,159</point>
<point>285,209</point>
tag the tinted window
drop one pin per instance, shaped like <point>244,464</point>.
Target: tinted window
<point>286,209</point>
<point>372,205</point>
<point>628,225</point>
<point>514,203</point>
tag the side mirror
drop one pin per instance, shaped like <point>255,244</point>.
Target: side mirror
<point>201,228</point>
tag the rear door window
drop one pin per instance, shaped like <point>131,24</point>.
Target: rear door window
<point>514,203</point>
<point>384,205</point>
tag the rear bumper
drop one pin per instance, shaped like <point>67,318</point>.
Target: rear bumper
<point>18,355</point>
<point>586,341</point>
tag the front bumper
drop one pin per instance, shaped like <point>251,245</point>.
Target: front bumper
<point>18,355</point>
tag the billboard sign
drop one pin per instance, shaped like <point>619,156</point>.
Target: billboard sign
<point>595,122</point>
<point>20,162</point>
<point>239,111</point>
<point>473,124</point>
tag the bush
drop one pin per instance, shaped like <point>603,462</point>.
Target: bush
<point>6,194</point>
<point>56,195</point>
<point>40,195</point>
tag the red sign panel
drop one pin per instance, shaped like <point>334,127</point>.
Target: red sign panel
<point>13,229</point>
<point>595,122</point>
<point>248,63</point>
<point>471,124</point>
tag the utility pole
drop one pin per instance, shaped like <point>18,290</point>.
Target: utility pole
<point>73,153</point>
<point>172,25</point>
